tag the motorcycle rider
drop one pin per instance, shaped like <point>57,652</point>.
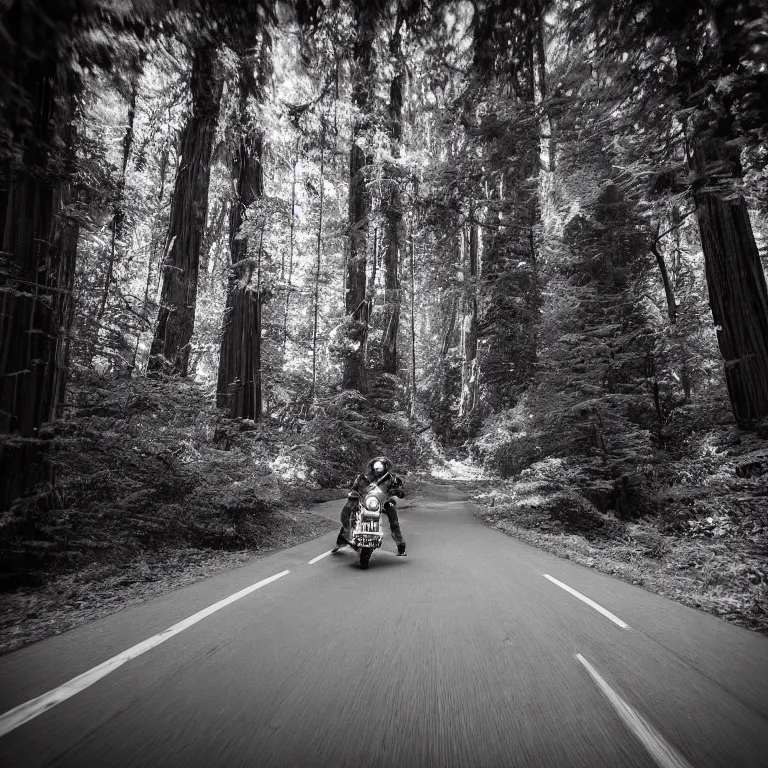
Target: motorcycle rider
<point>379,471</point>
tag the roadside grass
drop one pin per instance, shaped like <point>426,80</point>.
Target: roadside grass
<point>716,563</point>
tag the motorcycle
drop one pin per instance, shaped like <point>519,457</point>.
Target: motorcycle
<point>365,530</point>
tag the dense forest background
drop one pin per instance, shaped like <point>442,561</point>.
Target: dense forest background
<point>248,245</point>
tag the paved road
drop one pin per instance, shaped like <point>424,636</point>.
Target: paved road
<point>462,654</point>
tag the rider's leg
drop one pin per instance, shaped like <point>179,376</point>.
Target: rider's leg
<point>390,510</point>
<point>346,513</point>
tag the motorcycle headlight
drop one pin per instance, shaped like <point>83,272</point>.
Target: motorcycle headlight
<point>372,504</point>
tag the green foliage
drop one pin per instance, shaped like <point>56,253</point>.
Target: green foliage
<point>348,429</point>
<point>148,465</point>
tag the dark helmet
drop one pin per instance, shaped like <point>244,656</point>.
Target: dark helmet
<point>379,466</point>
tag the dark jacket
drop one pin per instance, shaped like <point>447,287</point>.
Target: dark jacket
<point>389,482</point>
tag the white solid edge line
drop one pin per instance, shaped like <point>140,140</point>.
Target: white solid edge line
<point>599,608</point>
<point>319,557</point>
<point>663,753</point>
<point>17,716</point>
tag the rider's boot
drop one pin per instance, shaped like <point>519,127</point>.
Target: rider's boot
<point>340,542</point>
<point>401,550</point>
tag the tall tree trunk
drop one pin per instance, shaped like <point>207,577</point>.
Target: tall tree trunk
<point>470,368</point>
<point>39,242</point>
<point>118,215</point>
<point>355,303</point>
<point>453,307</point>
<point>736,282</point>
<point>239,381</point>
<point>393,215</point>
<point>176,318</point>
<point>669,292</point>
<point>449,341</point>
<point>413,325</point>
<point>316,300</point>
<point>292,240</point>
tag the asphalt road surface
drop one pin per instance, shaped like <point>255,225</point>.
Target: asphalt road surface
<point>475,650</point>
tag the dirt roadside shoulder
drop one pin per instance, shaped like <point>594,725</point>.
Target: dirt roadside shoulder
<point>65,601</point>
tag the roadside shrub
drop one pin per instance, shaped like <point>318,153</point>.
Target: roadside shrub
<point>513,456</point>
<point>139,468</point>
<point>573,512</point>
<point>652,543</point>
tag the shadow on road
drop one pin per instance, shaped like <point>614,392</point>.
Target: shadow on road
<point>378,560</point>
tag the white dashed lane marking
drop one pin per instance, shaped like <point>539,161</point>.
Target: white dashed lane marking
<point>591,603</point>
<point>319,557</point>
<point>664,754</point>
<point>17,716</point>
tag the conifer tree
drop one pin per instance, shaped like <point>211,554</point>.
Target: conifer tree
<point>710,55</point>
<point>189,209</point>
<point>239,377</point>
<point>366,16</point>
<point>38,234</point>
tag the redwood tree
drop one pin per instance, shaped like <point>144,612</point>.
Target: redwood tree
<point>736,283</point>
<point>38,239</point>
<point>356,305</point>
<point>701,62</point>
<point>39,226</point>
<point>239,380</point>
<point>738,296</point>
<point>470,370</point>
<point>392,205</point>
<point>189,208</point>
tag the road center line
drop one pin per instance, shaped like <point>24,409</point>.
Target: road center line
<point>664,754</point>
<point>319,557</point>
<point>599,608</point>
<point>17,716</point>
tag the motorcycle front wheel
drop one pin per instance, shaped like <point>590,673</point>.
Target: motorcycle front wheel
<point>365,556</point>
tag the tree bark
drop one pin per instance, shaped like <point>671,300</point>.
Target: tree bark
<point>39,243</point>
<point>118,215</point>
<point>413,324</point>
<point>239,383</point>
<point>176,318</point>
<point>666,282</point>
<point>356,306</point>
<point>470,368</point>
<point>292,240</point>
<point>453,307</point>
<point>393,216</point>
<point>36,285</point>
<point>736,282</point>
<point>239,380</point>
<point>316,300</point>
